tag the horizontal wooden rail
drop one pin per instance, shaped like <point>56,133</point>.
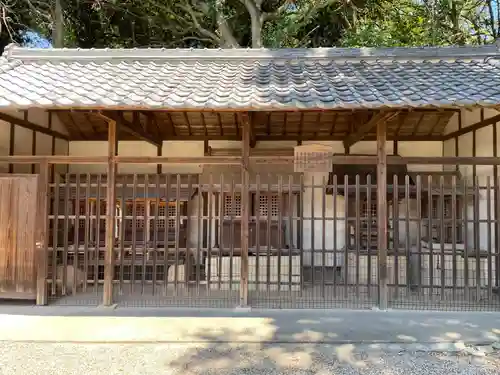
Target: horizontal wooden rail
<point>236,160</point>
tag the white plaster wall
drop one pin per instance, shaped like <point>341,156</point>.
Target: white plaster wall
<point>484,147</point>
<point>23,139</point>
<point>137,148</point>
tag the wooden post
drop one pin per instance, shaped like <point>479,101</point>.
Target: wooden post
<point>110,215</point>
<point>245,205</point>
<point>41,234</point>
<point>382,214</point>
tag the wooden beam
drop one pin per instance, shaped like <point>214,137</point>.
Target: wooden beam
<point>478,125</point>
<point>363,129</point>
<point>110,216</point>
<point>245,207</point>
<point>128,127</point>
<point>290,137</point>
<point>382,213</point>
<point>24,123</point>
<point>41,234</point>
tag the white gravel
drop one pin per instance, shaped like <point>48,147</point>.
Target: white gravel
<point>241,359</point>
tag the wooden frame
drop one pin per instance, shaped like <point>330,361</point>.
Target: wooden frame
<point>245,133</point>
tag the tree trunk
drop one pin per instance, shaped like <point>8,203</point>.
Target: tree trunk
<point>58,29</point>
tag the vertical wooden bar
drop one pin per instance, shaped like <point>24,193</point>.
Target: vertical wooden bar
<point>166,251</point>
<point>188,266</point>
<point>369,231</point>
<point>300,226</point>
<point>280,226</point>
<point>430,234</point>
<point>323,236</point>
<point>55,231</point>
<point>67,189</point>
<point>110,216</point>
<point>454,233</point>
<point>257,231</point>
<point>134,233</point>
<point>146,228</point>
<point>123,208</point>
<point>200,234</point>
<point>382,213</point>
<point>76,237</point>
<point>496,206</point>
<point>442,235</point>
<point>268,233</point>
<point>211,207</point>
<point>88,226</point>
<point>465,187</point>
<point>245,209</point>
<point>177,232</point>
<point>335,249</point>
<point>395,231</point>
<point>156,230</point>
<point>408,249</point>
<point>290,229</point>
<point>347,236</point>
<point>488,234</point>
<point>357,225</point>
<point>41,234</point>
<point>418,278</point>
<point>477,250</point>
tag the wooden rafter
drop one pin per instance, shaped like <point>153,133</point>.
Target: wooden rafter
<point>253,138</point>
<point>31,126</point>
<point>422,116</point>
<point>204,123</point>
<point>365,128</point>
<point>130,128</point>
<point>334,121</point>
<point>188,123</point>
<point>473,127</point>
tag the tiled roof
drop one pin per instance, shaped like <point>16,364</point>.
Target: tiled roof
<point>328,78</point>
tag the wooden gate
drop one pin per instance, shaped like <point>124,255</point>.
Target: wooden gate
<point>18,205</point>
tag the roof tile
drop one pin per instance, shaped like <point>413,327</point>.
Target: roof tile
<point>251,79</point>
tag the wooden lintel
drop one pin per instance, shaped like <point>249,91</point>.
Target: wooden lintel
<point>129,127</point>
<point>478,125</point>
<point>365,128</point>
<point>24,123</point>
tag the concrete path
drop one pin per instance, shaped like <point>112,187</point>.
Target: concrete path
<point>73,324</point>
<point>72,340</point>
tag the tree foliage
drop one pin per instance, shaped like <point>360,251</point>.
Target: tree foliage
<point>253,23</point>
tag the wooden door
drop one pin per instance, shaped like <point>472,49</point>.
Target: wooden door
<point>18,206</point>
<point>268,208</point>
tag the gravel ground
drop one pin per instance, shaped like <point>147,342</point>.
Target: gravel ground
<point>241,359</point>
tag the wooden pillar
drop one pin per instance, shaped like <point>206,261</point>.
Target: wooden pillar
<point>382,214</point>
<point>110,215</point>
<point>245,208</point>
<point>159,167</point>
<point>41,234</point>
